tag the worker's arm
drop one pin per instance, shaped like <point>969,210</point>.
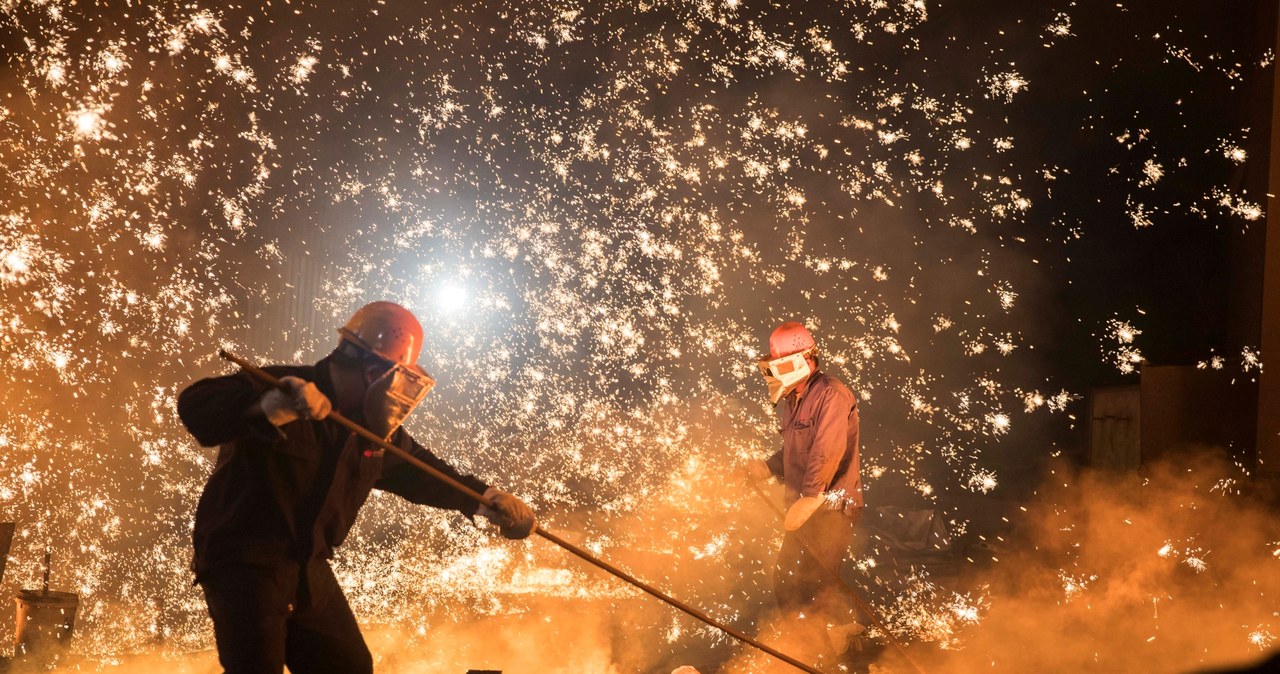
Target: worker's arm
<point>217,410</point>
<point>416,486</point>
<point>514,518</point>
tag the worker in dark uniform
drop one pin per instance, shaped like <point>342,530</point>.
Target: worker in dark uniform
<point>288,484</point>
<point>818,463</point>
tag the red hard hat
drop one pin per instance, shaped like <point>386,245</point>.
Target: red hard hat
<point>788,338</point>
<point>386,329</point>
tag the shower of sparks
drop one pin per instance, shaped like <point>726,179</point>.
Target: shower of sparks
<point>1191,556</point>
<point>1236,205</point>
<point>1226,486</point>
<point>1213,363</point>
<point>1152,172</point>
<point>597,212</point>
<point>1197,564</point>
<point>1262,638</point>
<point>982,481</point>
<point>1006,85</point>
<point>1125,355</point>
<point>1060,27</point>
<point>999,423</point>
<point>1073,586</point>
<point>929,613</point>
<point>1251,359</point>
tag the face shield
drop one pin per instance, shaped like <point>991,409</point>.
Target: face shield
<point>391,397</point>
<point>784,374</point>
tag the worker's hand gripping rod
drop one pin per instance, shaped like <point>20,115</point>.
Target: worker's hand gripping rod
<point>834,573</point>
<point>268,378</point>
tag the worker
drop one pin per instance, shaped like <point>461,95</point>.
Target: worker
<point>288,484</point>
<point>818,464</point>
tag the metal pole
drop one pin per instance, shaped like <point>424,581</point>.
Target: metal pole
<point>268,378</point>
<point>853,594</point>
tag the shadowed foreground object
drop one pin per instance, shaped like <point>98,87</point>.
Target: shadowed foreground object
<point>6,541</point>
<point>1270,665</point>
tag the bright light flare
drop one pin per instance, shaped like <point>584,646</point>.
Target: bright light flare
<point>88,123</point>
<point>452,299</point>
<point>999,422</point>
<point>13,265</point>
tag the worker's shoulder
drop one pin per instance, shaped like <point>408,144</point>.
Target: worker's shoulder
<point>833,387</point>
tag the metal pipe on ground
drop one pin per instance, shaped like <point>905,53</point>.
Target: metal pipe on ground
<point>271,380</point>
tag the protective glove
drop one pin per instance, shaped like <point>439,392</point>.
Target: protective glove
<point>514,519</point>
<point>801,511</point>
<point>300,399</point>
<point>756,471</point>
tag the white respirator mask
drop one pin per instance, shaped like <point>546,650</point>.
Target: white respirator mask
<point>784,374</point>
<point>392,397</point>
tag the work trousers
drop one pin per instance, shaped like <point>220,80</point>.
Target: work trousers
<point>266,617</point>
<point>800,583</point>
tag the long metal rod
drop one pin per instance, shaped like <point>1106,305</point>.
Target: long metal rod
<point>336,416</point>
<point>853,594</point>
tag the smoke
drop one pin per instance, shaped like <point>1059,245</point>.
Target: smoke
<point>1174,570</point>
<point>804,642</point>
<point>550,638</point>
<point>1170,570</point>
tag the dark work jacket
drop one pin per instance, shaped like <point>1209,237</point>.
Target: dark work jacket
<point>291,494</point>
<point>819,455</point>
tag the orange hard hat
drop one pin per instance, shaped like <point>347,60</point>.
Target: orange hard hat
<point>386,329</point>
<point>788,338</point>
